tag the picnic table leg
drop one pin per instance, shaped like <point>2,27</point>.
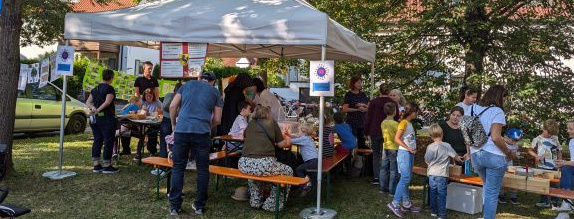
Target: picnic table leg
<point>277,194</point>
<point>216,182</point>
<point>158,179</point>
<point>328,187</point>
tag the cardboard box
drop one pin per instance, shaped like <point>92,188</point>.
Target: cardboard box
<point>530,184</point>
<point>464,198</point>
<point>454,170</point>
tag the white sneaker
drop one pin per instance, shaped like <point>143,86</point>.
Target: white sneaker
<point>191,165</point>
<point>158,172</point>
<point>563,208</point>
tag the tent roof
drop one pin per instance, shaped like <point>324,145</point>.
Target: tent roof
<point>233,28</point>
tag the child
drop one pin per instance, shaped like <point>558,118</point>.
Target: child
<point>437,157</point>
<point>343,130</point>
<point>328,137</point>
<point>511,138</point>
<point>546,150</point>
<point>133,106</point>
<point>125,130</point>
<point>570,131</point>
<point>405,138</point>
<point>309,154</point>
<point>388,176</point>
<point>239,124</point>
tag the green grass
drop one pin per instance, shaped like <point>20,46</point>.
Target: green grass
<point>130,193</point>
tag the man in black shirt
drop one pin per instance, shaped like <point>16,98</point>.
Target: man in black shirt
<point>146,81</point>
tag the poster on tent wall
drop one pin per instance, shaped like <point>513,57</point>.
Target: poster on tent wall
<point>322,78</point>
<point>54,75</point>
<point>91,77</point>
<point>122,83</point>
<point>166,86</point>
<point>23,79</point>
<point>182,60</point>
<point>65,60</point>
<point>33,73</point>
<point>44,72</point>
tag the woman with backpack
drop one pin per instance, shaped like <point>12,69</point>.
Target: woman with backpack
<point>487,147</point>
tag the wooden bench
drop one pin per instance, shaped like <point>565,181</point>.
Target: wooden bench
<point>329,163</point>
<point>475,180</point>
<point>280,181</point>
<point>161,162</point>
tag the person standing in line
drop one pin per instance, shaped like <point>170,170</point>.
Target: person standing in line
<point>468,96</point>
<point>376,115</point>
<point>356,106</point>
<point>399,99</point>
<point>193,106</point>
<point>489,160</point>
<point>147,81</point>
<point>101,105</point>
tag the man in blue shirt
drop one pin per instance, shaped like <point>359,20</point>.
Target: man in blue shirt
<point>193,107</point>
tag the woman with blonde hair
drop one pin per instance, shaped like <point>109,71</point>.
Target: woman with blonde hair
<point>398,97</point>
<point>262,136</point>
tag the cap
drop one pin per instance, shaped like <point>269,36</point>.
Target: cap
<point>514,133</point>
<point>208,75</point>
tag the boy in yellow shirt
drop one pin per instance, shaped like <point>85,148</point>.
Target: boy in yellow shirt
<point>389,175</point>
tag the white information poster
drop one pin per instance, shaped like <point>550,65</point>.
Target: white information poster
<point>171,50</point>
<point>53,71</point>
<point>33,73</point>
<point>322,78</point>
<point>171,69</point>
<point>197,50</point>
<point>44,72</point>
<point>195,66</point>
<point>65,60</point>
<point>23,79</point>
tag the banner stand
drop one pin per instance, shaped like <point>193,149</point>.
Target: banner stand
<point>61,174</point>
<point>318,212</point>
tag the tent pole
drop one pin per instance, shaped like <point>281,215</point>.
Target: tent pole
<point>320,153</point>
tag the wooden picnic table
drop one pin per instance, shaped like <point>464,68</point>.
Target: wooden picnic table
<point>144,125</point>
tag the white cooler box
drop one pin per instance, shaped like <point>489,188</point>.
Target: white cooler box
<point>464,198</point>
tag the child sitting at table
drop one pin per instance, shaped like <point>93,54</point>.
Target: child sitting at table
<point>437,157</point>
<point>343,130</point>
<point>239,125</point>
<point>125,130</point>
<point>328,137</point>
<point>309,153</point>
<point>546,150</point>
<point>511,139</point>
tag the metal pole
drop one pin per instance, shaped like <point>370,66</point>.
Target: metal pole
<point>62,123</point>
<point>321,125</point>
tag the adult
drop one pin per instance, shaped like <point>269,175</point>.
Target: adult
<point>262,135</point>
<point>376,115</point>
<point>101,105</point>
<point>152,106</point>
<point>209,77</point>
<point>468,96</point>
<point>490,159</point>
<point>356,106</point>
<point>147,81</point>
<point>166,122</point>
<point>399,99</point>
<point>197,107</point>
<point>265,97</point>
<point>452,133</point>
<point>241,89</point>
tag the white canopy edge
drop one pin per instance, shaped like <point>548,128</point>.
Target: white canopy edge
<point>233,28</point>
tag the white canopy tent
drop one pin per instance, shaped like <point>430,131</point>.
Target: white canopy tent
<point>233,28</point>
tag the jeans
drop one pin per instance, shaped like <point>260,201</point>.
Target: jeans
<point>405,165</point>
<point>199,144</point>
<point>376,145</point>
<point>389,174</point>
<point>301,170</point>
<point>152,141</point>
<point>437,186</point>
<point>491,168</point>
<point>165,131</point>
<point>567,178</point>
<point>104,132</point>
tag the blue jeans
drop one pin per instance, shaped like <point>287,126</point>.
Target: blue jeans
<point>199,144</point>
<point>104,132</point>
<point>567,178</point>
<point>405,165</point>
<point>491,168</point>
<point>437,186</point>
<point>376,146</point>
<point>165,131</point>
<point>389,174</point>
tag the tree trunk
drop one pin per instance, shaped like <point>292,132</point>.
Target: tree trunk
<point>10,25</point>
<point>477,37</point>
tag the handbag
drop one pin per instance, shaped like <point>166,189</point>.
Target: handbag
<point>283,156</point>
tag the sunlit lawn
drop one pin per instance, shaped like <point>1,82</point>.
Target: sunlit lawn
<point>130,193</point>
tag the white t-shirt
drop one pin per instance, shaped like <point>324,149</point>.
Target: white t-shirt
<point>513,148</point>
<point>409,136</point>
<point>466,108</point>
<point>571,149</point>
<point>494,115</point>
<point>548,149</point>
